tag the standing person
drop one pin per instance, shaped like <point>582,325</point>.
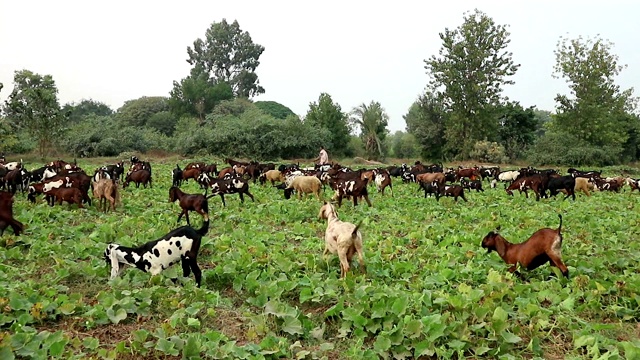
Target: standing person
<point>323,157</point>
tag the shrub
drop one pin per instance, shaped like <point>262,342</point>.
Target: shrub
<point>565,149</point>
<point>487,151</point>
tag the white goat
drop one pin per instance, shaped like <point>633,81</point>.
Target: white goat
<point>341,237</point>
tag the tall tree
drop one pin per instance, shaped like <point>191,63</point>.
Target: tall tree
<point>328,115</point>
<point>197,94</point>
<point>597,113</point>
<point>76,112</point>
<point>137,112</point>
<point>516,129</point>
<point>372,120</point>
<point>468,76</point>
<point>275,109</point>
<point>33,105</point>
<point>425,121</point>
<point>228,54</point>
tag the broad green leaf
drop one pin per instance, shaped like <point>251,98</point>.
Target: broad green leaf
<point>382,343</point>
<point>116,316</point>
<point>510,338</point>
<point>292,325</point>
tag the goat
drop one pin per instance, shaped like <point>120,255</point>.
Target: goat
<point>343,238</point>
<point>354,188</point>
<point>543,246</point>
<point>181,244</point>
<point>189,202</point>
<point>634,184</point>
<point>6,214</point>
<point>454,191</point>
<point>71,195</point>
<point>272,176</point>
<point>107,190</point>
<point>306,185</point>
<point>231,186</point>
<point>472,184</point>
<point>176,176</point>
<point>382,178</point>
<point>138,177</point>
<point>566,183</point>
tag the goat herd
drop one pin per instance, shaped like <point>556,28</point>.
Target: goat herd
<point>60,181</point>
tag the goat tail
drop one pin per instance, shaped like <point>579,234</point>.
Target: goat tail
<point>560,226</point>
<point>354,233</point>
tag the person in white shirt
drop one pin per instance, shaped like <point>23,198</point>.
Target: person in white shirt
<point>323,157</point>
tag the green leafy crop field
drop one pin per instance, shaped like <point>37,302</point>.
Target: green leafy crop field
<point>430,290</point>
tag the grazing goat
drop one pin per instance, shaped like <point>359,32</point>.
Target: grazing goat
<point>343,238</point>
<point>472,184</point>
<point>304,184</point>
<point>71,195</point>
<point>138,177</point>
<point>189,202</point>
<point>566,183</point>
<point>355,188</point>
<point>231,186</point>
<point>107,190</point>
<point>542,247</point>
<point>634,184</point>
<point>454,191</point>
<point>181,244</point>
<point>272,176</point>
<point>176,176</point>
<point>382,178</point>
<point>6,214</point>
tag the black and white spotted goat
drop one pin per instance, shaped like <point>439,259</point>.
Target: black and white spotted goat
<point>180,245</point>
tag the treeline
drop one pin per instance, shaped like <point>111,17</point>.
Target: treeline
<point>461,115</point>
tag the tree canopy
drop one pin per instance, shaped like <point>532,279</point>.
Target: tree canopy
<point>275,109</point>
<point>228,54</point>
<point>372,120</point>
<point>329,115</point>
<point>33,105</point>
<point>468,77</point>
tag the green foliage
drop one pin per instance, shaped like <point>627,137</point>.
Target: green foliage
<point>428,292</point>
<point>567,149</point>
<point>274,109</point>
<point>516,129</point>
<point>372,121</point>
<point>137,112</point>
<point>164,122</point>
<point>326,114</point>
<point>103,136</point>
<point>76,112</point>
<point>598,112</point>
<point>33,106</point>
<point>542,117</point>
<point>403,145</point>
<point>468,76</point>
<point>197,94</point>
<point>426,122</point>
<point>228,54</point>
<point>491,152</point>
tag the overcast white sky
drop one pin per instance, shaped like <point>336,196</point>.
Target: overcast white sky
<point>356,51</point>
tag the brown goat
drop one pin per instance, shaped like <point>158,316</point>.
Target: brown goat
<point>189,202</point>
<point>107,190</point>
<point>70,195</point>
<point>6,214</point>
<point>138,177</point>
<point>542,247</point>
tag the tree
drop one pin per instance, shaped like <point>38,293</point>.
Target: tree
<point>404,145</point>
<point>163,121</point>
<point>516,129</point>
<point>328,115</point>
<point>76,112</point>
<point>197,94</point>
<point>425,121</point>
<point>137,112</point>
<point>33,105</point>
<point>372,120</point>
<point>274,109</point>
<point>597,113</point>
<point>468,77</point>
<point>228,54</point>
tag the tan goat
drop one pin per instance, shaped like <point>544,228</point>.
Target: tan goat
<point>106,190</point>
<point>341,237</point>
